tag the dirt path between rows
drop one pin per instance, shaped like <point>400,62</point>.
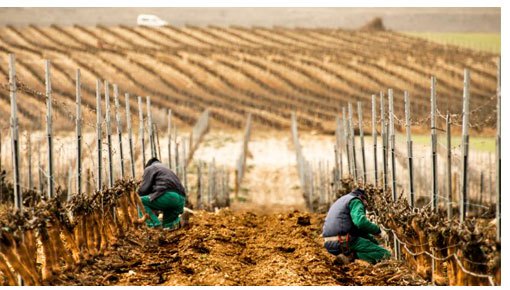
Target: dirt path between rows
<point>266,238</point>
<point>234,248</point>
<point>271,183</point>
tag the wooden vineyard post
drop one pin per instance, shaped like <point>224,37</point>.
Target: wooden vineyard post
<point>49,112</point>
<point>498,159</point>
<point>374,136</point>
<point>184,164</point>
<point>346,138</point>
<point>340,157</point>
<point>465,147</point>
<point>241,160</point>
<point>169,133</point>
<point>15,135</point>
<point>214,184</point>
<point>0,159</point>
<point>480,193</point>
<point>1,166</point>
<point>490,178</point>
<point>336,175</point>
<point>99,121</point>
<point>362,142</point>
<point>78,132</point>
<point>130,136</point>
<point>199,185</point>
<point>150,128</point>
<point>175,150</point>
<point>156,140</point>
<point>108,132</point>
<point>309,178</point>
<point>321,182</point>
<point>409,149</point>
<point>177,162</point>
<point>87,181</point>
<point>29,159</point>
<point>449,166</point>
<point>18,196</point>
<point>226,182</point>
<point>384,143</point>
<point>69,183</point>
<point>391,117</point>
<point>191,140</point>
<point>337,149</point>
<point>119,128</point>
<point>39,171</point>
<point>351,135</point>
<point>434,142</point>
<point>141,132</point>
<point>211,184</point>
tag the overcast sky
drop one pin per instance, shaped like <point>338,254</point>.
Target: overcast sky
<point>399,19</point>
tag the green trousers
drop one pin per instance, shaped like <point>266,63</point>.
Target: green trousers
<point>170,203</point>
<point>368,249</point>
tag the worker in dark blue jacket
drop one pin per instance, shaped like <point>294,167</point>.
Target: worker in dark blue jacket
<point>348,232</point>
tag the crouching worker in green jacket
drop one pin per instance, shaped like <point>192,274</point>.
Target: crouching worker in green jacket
<point>348,233</point>
<point>161,190</point>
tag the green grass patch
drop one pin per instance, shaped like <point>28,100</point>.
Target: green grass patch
<point>488,42</point>
<point>241,199</point>
<point>484,144</point>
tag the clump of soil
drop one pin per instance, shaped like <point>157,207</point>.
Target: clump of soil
<point>375,24</point>
<point>234,248</point>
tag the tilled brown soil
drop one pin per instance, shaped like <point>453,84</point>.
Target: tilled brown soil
<point>234,248</point>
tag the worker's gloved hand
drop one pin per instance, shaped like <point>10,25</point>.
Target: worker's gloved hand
<point>382,234</point>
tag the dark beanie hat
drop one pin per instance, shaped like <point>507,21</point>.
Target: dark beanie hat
<point>152,160</point>
<point>359,192</point>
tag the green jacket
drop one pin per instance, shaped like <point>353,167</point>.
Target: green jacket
<point>360,220</point>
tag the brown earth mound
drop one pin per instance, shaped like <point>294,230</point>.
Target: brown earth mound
<point>375,24</point>
<point>240,248</point>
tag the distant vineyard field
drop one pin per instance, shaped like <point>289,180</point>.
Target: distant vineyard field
<point>268,72</point>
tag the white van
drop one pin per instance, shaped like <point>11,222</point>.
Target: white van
<point>150,20</point>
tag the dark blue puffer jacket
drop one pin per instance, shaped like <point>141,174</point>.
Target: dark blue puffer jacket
<point>338,220</point>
